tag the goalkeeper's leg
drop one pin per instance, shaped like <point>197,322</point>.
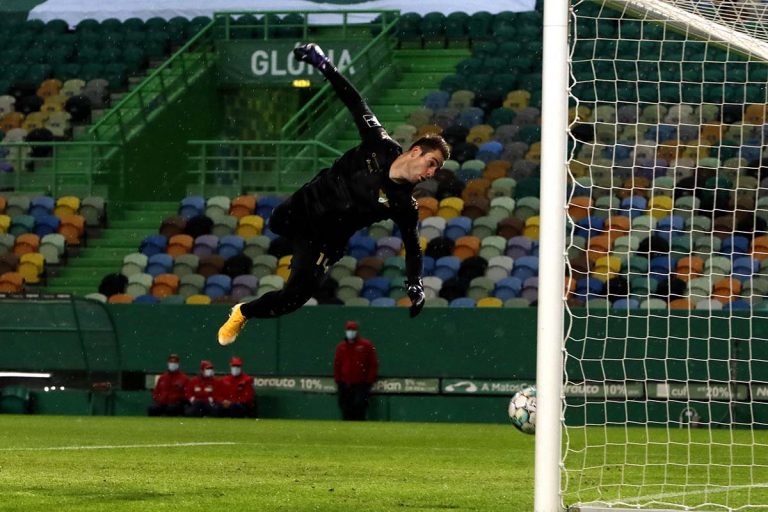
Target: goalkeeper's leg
<point>308,268</point>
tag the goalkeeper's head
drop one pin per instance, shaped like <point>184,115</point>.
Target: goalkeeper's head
<point>422,160</point>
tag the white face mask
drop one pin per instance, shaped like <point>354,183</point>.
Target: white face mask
<point>172,367</point>
<point>351,334</point>
<point>236,371</point>
<point>208,372</point>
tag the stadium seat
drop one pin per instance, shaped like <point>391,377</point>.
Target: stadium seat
<point>349,286</point>
<point>160,263</point>
<point>205,245</point>
<point>53,248</point>
<point>185,264</point>
<point>165,285</point>
<point>139,284</point>
<point>191,284</point>
<point>179,244</point>
<point>217,285</point>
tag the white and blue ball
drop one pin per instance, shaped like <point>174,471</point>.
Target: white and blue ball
<point>522,410</point>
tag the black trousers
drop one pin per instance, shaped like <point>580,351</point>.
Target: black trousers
<point>309,265</point>
<point>353,400</point>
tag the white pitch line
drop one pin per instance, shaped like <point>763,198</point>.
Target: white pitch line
<point>115,446</point>
<point>709,490</point>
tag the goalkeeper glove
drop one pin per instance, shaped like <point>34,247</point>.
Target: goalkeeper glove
<point>312,54</point>
<point>416,294</point>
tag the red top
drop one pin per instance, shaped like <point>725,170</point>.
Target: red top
<point>170,388</point>
<point>355,362</point>
<point>238,390</point>
<point>201,388</point>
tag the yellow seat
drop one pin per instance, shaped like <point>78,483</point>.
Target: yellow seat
<point>660,206</point>
<point>5,223</point>
<point>250,225</point>
<point>531,229</point>
<point>284,266</point>
<point>490,302</point>
<point>31,267</point>
<point>66,205</point>
<point>198,299</point>
<point>450,207</point>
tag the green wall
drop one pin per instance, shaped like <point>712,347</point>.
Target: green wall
<point>441,342</point>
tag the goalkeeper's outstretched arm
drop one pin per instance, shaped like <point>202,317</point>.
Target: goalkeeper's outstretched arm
<point>365,120</point>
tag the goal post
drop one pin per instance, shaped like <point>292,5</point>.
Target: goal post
<point>652,372</point>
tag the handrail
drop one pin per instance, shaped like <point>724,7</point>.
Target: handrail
<point>136,93</point>
<point>234,166</point>
<point>325,91</point>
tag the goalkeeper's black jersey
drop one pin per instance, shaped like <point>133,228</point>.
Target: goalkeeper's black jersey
<point>356,190</point>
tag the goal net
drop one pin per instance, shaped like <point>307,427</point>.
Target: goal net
<point>666,342</point>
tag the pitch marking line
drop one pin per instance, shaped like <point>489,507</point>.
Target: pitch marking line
<point>116,446</point>
<point>710,490</point>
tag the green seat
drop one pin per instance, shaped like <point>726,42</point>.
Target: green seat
<point>456,28</point>
<point>479,26</point>
<point>133,25</point>
<point>409,29</point>
<point>432,28</point>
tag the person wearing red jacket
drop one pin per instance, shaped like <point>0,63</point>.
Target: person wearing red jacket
<point>169,393</point>
<point>355,369</point>
<point>202,391</point>
<point>237,394</point>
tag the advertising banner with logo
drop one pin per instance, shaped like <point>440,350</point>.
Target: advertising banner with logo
<point>251,62</point>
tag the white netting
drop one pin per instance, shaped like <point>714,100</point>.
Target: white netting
<point>667,344</point>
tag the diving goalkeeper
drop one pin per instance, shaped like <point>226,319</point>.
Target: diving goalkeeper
<point>370,182</point>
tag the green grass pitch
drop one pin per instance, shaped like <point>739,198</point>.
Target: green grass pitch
<point>121,464</point>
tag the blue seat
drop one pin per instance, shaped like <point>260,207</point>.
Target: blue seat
<point>266,204</point>
<point>738,305</point>
<point>457,227</point>
<point>525,267</point>
<point>383,302</point>
<point>428,265</point>
<point>661,132</point>
<point>447,267</point>
<point>41,205</point>
<point>589,226</point>
<point>659,266</point>
<point>669,227</point>
<point>436,100</point>
<point>146,299</point>
<point>191,206</point>
<point>588,288</point>
<point>375,287</point>
<point>230,245</point>
<point>745,267</point>
<point>507,288</point>
<point>634,206</point>
<point>462,302</point>
<point>361,245</point>
<point>160,263</point>
<point>626,303</point>
<point>217,285</point>
<point>470,116</point>
<point>46,224</point>
<point>737,245</point>
<point>153,244</point>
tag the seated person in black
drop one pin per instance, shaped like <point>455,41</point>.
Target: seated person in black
<point>370,182</point>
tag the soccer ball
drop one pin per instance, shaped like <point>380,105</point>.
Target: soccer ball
<point>522,410</point>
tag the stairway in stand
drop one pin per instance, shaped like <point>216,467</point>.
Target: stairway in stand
<point>128,224</point>
<point>420,73</point>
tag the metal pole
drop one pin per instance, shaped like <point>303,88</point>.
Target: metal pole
<point>549,365</point>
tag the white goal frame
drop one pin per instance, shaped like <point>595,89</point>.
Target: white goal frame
<point>554,205</point>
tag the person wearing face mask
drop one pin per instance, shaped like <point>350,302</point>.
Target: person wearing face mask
<point>355,369</point>
<point>202,390</point>
<point>169,392</point>
<point>237,395</point>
